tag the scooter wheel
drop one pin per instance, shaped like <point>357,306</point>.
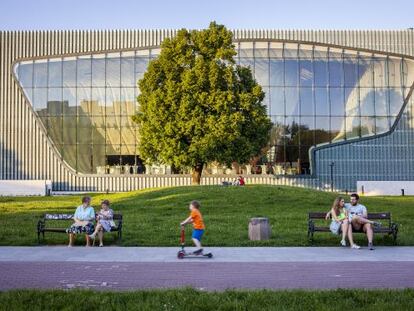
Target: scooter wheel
<point>210,255</point>
<point>180,255</point>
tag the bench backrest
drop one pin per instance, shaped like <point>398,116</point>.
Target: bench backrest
<point>382,215</point>
<point>117,216</point>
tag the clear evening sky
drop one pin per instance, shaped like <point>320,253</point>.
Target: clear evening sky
<point>257,14</point>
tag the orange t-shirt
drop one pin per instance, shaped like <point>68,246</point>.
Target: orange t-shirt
<point>198,222</point>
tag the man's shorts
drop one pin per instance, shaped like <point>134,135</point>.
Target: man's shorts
<point>198,234</point>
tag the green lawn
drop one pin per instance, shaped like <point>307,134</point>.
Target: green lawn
<point>190,299</point>
<point>151,217</point>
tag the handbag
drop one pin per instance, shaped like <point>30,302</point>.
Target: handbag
<point>335,227</point>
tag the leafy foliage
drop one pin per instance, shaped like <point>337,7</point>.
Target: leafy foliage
<point>197,105</point>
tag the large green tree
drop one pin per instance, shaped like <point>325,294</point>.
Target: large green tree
<point>197,106</point>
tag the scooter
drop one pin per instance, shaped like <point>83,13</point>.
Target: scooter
<point>183,254</point>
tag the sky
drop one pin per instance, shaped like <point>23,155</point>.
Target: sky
<point>240,14</point>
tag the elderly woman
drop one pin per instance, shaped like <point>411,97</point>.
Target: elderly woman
<point>84,217</point>
<point>105,221</point>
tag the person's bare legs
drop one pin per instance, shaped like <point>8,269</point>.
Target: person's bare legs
<point>197,243</point>
<point>88,240</point>
<point>369,232</point>
<point>351,238</point>
<point>100,235</point>
<point>98,227</point>
<point>344,227</point>
<point>71,239</point>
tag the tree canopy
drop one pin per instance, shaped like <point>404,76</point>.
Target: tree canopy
<point>196,105</point>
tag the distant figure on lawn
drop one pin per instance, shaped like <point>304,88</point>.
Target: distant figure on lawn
<point>340,222</point>
<point>358,218</point>
<point>105,221</point>
<point>196,219</point>
<point>83,217</point>
<point>239,181</point>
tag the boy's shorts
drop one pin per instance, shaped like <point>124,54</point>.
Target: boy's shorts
<point>198,234</point>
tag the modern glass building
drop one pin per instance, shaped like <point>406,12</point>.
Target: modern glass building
<point>340,103</point>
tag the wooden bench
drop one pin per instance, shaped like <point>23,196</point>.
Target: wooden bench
<point>43,224</point>
<point>389,227</point>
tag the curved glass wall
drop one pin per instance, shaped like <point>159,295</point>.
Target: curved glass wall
<point>315,95</point>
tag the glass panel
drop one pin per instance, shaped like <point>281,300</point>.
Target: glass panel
<point>306,101</point>
<point>98,70</point>
<point>98,101</point>
<point>40,73</point>
<point>306,73</point>
<point>367,126</point>
<point>40,100</point>
<point>396,101</point>
<point>276,72</point>
<point>292,101</point>
<point>266,99</point>
<point>277,131</point>
<point>261,49</point>
<point>291,50</point>
<point>305,51</point>
<point>366,72</point>
<point>351,71</point>
<point>84,100</point>
<point>351,101</point>
<point>69,101</point>
<point>69,71</point>
<point>353,127</point>
<point>304,165</point>
<point>85,158</point>
<point>292,130</point>
<point>307,131</point>
<point>367,98</point>
<point>98,122</point>
<point>337,101</point>
<point>337,128</point>
<point>381,102</point>
<point>113,70</point>
<point>276,50</point>
<point>69,155</point>
<point>84,130</point>
<point>55,73</point>
<point>113,101</point>
<point>113,137</point>
<point>277,100</point>
<point>380,76</point>
<point>69,129</point>
<point>394,71</point>
<point>128,101</point>
<point>335,73</point>
<point>55,130</point>
<point>127,70</point>
<point>99,158</point>
<point>246,49</point>
<point>84,71</point>
<point>292,157</point>
<point>291,72</point>
<point>382,125</point>
<point>320,72</point>
<point>321,101</point>
<point>25,74</point>
<point>320,52</point>
<point>322,131</point>
<point>261,71</point>
<point>54,102</point>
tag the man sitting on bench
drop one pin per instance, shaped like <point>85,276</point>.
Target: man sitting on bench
<point>358,217</point>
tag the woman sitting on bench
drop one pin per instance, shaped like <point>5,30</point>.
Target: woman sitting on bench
<point>105,221</point>
<point>83,217</point>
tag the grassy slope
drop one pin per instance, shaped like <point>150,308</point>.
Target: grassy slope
<point>190,299</point>
<point>151,217</point>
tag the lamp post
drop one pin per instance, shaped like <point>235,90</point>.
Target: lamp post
<point>332,164</point>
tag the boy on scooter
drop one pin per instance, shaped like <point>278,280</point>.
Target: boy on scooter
<point>198,225</point>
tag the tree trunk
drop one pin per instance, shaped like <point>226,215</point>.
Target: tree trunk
<point>196,174</point>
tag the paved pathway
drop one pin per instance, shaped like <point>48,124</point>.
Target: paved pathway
<point>125,268</point>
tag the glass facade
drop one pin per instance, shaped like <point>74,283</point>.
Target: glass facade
<point>315,95</point>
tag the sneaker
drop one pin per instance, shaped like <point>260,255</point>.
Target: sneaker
<point>198,252</point>
<point>343,243</point>
<point>354,246</point>
<point>101,245</point>
<point>92,236</point>
<point>371,246</point>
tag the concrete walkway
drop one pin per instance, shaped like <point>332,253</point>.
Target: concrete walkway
<point>221,254</point>
<point>128,268</point>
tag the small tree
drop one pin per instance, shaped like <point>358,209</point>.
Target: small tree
<point>197,106</point>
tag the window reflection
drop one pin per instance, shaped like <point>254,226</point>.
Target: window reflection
<point>314,95</point>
